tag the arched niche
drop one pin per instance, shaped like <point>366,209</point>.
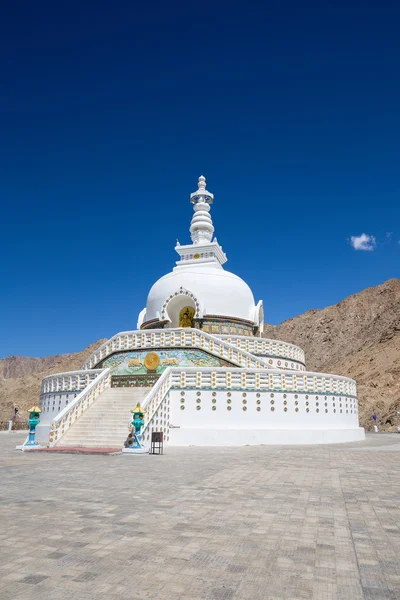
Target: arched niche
<point>181,307</point>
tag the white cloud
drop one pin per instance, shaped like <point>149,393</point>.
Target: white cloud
<point>363,242</point>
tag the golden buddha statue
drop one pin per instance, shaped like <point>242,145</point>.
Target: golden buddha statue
<point>186,317</point>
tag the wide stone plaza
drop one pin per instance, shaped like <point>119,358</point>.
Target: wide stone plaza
<point>250,523</point>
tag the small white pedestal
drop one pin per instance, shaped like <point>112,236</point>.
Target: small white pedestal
<point>135,451</point>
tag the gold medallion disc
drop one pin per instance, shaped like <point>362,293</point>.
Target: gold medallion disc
<point>151,361</point>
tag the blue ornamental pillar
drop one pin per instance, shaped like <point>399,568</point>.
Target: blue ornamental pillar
<point>33,421</point>
<point>133,444</point>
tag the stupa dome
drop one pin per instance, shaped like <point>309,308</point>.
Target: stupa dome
<point>218,292</point>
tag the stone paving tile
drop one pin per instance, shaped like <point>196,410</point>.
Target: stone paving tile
<point>251,523</point>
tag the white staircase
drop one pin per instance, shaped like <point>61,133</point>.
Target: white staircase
<point>106,423</point>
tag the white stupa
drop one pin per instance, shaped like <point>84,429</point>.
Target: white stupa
<point>200,368</point>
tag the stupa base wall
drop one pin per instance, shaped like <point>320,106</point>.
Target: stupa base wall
<point>257,437</point>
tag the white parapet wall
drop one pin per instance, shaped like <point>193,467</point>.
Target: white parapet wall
<point>280,355</point>
<point>224,418</point>
<point>222,407</point>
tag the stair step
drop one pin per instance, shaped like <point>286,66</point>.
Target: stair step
<point>106,422</point>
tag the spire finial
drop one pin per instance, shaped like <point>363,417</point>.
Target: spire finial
<point>201,227</point>
<point>202,183</point>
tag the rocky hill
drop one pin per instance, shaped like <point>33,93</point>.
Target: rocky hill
<point>21,376</point>
<point>358,337</point>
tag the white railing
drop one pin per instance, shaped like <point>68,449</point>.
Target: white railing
<point>63,421</point>
<point>72,381</point>
<point>266,347</point>
<point>273,380</point>
<point>176,338</point>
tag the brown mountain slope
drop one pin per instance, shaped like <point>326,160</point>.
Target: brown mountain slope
<point>15,367</point>
<point>20,378</point>
<point>358,337</point>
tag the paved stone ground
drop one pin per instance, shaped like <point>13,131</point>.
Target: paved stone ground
<point>252,523</point>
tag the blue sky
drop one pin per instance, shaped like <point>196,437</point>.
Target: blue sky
<point>110,112</point>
